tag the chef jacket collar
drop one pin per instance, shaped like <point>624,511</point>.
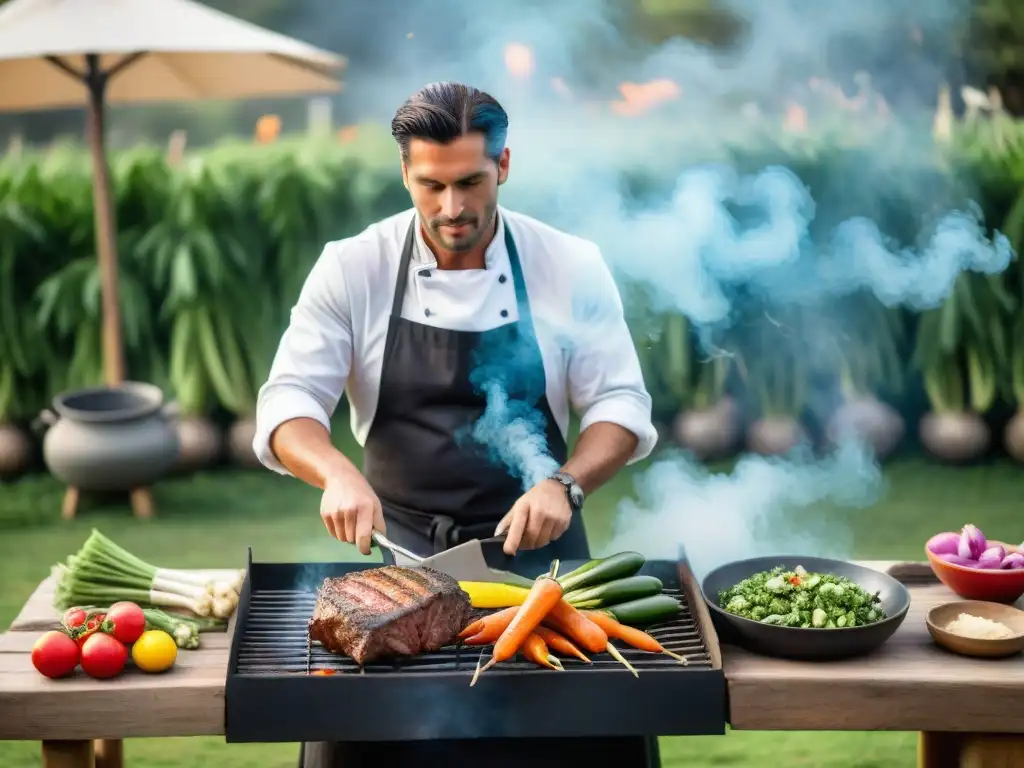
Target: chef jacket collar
<point>423,257</point>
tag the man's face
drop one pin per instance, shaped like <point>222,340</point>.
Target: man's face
<point>455,189</point>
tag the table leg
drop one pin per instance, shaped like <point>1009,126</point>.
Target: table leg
<point>992,751</point>
<point>67,754</point>
<point>938,750</point>
<point>109,753</point>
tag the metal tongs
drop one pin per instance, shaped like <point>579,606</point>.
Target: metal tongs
<point>463,562</point>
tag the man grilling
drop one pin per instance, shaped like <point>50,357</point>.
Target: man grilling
<point>405,317</point>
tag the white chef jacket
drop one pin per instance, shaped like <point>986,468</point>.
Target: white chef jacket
<point>335,340</point>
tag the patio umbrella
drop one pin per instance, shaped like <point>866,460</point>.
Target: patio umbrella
<point>61,53</point>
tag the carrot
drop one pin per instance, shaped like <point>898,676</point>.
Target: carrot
<point>629,635</point>
<point>488,628</point>
<point>559,644</point>
<point>536,650</point>
<point>545,593</point>
<point>577,627</point>
<point>580,629</point>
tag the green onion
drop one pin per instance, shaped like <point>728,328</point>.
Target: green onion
<point>185,634</point>
<point>103,572</point>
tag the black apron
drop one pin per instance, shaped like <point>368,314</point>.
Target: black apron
<point>439,487</point>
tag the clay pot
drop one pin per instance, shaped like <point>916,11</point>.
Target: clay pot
<point>775,435</point>
<point>955,437</point>
<point>240,438</point>
<point>200,444</point>
<point>15,451</point>
<point>110,438</point>
<point>1013,436</point>
<point>709,433</point>
<point>869,419</point>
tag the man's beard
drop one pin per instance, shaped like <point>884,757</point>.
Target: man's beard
<point>473,236</point>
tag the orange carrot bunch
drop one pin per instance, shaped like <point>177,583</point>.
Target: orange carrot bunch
<point>545,622</point>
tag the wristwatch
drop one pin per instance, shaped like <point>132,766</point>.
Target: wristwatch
<point>572,490</point>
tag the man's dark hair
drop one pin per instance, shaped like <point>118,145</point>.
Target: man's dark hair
<point>442,112</point>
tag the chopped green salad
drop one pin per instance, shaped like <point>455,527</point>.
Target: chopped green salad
<point>796,598</point>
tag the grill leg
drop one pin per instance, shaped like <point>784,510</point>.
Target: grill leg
<point>653,752</point>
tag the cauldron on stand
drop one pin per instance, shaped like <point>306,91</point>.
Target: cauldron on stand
<point>102,439</point>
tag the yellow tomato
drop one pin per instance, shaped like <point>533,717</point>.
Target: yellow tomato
<point>155,651</point>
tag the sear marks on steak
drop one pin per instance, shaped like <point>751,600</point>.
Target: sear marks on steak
<point>389,611</point>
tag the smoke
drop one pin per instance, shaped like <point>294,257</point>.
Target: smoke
<point>713,518</point>
<point>722,238</point>
<point>513,432</point>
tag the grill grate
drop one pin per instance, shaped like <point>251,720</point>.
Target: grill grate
<point>275,641</point>
<point>272,695</point>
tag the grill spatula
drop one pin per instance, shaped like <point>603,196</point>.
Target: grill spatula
<point>463,562</point>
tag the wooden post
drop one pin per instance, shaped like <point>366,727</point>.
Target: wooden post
<point>109,753</point>
<point>106,223</point>
<point>938,750</point>
<point>67,754</point>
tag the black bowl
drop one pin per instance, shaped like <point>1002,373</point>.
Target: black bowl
<point>796,642</point>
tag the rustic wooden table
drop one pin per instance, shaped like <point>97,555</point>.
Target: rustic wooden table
<point>970,713</point>
<point>81,722</point>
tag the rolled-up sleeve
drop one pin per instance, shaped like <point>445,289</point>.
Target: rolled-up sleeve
<point>605,381</point>
<point>313,360</point>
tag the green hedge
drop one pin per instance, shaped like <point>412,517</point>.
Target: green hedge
<point>213,252</point>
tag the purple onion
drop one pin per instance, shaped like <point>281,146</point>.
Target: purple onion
<point>949,557</point>
<point>992,558</point>
<point>972,542</point>
<point>947,543</point>
<point>1013,561</point>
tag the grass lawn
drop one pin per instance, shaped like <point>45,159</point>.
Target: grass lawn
<point>210,519</point>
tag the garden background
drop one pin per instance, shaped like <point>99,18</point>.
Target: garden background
<point>215,243</point>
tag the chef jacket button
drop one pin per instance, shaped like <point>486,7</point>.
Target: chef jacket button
<point>502,279</point>
<point>425,273</point>
<point>504,313</point>
<point>426,312</point>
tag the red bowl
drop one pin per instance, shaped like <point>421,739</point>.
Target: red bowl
<point>979,583</point>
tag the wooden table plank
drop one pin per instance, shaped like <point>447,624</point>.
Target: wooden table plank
<point>185,701</point>
<point>909,684</point>
<point>38,612</point>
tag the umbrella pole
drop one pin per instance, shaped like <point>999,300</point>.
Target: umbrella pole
<point>106,223</point>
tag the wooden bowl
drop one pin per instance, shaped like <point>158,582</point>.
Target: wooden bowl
<point>941,615</point>
<point>979,583</point>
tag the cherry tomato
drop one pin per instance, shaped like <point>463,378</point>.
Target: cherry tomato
<point>74,618</point>
<point>129,622</point>
<point>103,656</point>
<point>91,626</point>
<point>55,654</point>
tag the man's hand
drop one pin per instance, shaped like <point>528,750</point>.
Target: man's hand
<point>351,510</point>
<point>540,516</point>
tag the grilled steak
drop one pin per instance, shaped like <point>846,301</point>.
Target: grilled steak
<point>389,611</point>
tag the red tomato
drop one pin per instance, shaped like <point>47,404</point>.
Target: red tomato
<point>55,654</point>
<point>103,656</point>
<point>74,617</point>
<point>129,622</point>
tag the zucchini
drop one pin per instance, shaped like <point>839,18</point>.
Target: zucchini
<point>618,591</point>
<point>599,571</point>
<point>646,610</point>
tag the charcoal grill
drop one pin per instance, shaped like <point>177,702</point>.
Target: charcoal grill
<point>273,694</point>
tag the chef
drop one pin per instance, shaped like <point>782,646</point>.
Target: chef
<point>425,319</point>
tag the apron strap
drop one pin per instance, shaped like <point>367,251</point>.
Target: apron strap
<point>400,284</point>
<point>519,281</point>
